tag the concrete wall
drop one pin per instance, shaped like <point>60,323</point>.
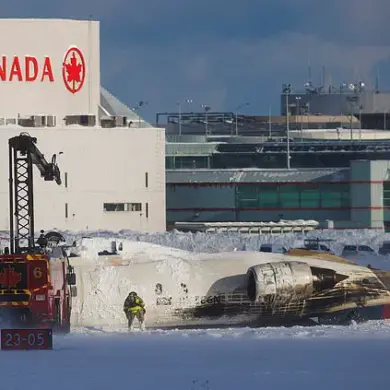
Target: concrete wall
<point>367,192</point>
<point>360,193</point>
<point>48,40</point>
<point>102,166</point>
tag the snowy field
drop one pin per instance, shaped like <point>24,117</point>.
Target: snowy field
<point>102,357</point>
<point>355,357</point>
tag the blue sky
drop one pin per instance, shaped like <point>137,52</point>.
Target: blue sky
<point>226,53</point>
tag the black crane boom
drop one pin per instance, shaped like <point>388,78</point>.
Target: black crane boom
<point>23,154</point>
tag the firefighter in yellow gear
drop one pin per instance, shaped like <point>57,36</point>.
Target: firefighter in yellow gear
<point>134,307</point>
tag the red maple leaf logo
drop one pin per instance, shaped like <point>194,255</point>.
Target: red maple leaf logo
<point>73,70</point>
<point>9,277</point>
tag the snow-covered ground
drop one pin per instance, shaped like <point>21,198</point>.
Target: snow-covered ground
<point>324,358</point>
<point>104,357</point>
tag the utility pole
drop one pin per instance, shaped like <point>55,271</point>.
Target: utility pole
<point>269,122</point>
<point>178,103</point>
<point>288,132</point>
<point>287,91</point>
<point>298,113</point>
<point>188,101</point>
<point>237,108</point>
<point>138,108</point>
<point>206,108</point>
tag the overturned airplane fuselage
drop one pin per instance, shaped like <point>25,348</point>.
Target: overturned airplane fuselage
<point>228,289</point>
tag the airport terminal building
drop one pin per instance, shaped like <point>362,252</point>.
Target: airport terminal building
<point>235,176</point>
<point>357,197</point>
<point>111,161</point>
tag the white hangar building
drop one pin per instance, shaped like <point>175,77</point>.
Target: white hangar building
<point>112,162</point>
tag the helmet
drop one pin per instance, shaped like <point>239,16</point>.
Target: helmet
<point>133,293</point>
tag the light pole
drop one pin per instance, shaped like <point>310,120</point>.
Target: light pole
<point>237,108</point>
<point>298,113</point>
<point>137,108</point>
<point>287,91</point>
<point>178,103</point>
<point>206,108</point>
<point>288,131</point>
<point>269,122</point>
<point>188,101</point>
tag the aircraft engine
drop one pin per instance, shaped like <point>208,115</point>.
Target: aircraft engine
<point>285,282</point>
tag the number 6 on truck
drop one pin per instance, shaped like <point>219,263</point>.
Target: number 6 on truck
<point>37,272</point>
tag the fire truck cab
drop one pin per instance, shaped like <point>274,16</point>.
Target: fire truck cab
<point>36,289</point>
<point>37,281</point>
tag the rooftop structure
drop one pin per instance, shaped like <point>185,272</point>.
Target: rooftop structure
<point>335,152</point>
<point>326,99</point>
<point>112,106</point>
<point>207,177</point>
<point>237,124</point>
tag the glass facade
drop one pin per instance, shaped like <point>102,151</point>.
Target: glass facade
<point>386,194</point>
<point>187,162</point>
<point>273,160</point>
<point>294,196</point>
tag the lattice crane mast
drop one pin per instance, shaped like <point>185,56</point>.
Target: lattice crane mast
<point>23,154</point>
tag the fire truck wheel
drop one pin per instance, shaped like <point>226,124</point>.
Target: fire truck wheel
<point>65,328</point>
<point>61,323</point>
<point>57,315</point>
<point>66,323</point>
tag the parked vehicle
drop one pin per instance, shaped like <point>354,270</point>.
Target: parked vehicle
<point>385,248</point>
<point>272,248</point>
<point>361,250</point>
<point>316,245</point>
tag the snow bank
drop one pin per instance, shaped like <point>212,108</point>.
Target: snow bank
<point>228,241</point>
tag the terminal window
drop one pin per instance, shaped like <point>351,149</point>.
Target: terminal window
<point>122,206</point>
<point>306,196</point>
<point>386,193</point>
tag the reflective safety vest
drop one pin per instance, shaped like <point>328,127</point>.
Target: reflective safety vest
<point>134,306</point>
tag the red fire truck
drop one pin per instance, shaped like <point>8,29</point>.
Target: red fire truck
<point>36,279</point>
